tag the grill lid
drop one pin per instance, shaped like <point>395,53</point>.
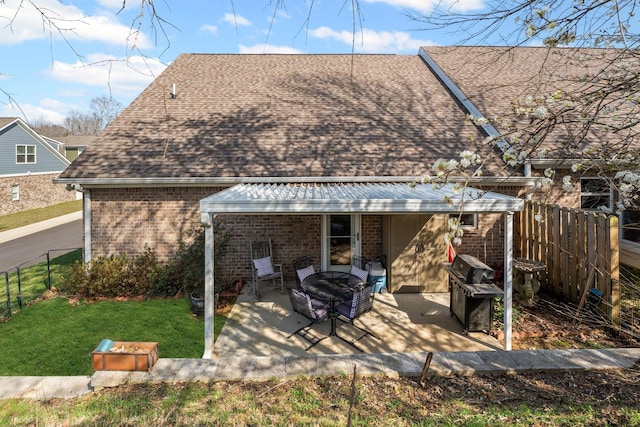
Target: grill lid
<point>470,269</point>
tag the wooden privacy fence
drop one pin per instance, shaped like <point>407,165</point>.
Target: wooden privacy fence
<point>579,249</point>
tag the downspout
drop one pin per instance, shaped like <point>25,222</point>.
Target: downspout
<point>86,205</point>
<point>209,299</point>
<point>508,278</point>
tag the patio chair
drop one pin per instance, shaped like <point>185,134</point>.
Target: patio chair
<point>303,266</point>
<point>349,311</point>
<point>262,267</point>
<point>314,310</point>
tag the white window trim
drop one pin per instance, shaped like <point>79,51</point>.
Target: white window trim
<point>15,195</point>
<point>26,154</point>
<point>472,226</point>
<point>608,194</point>
<point>355,239</point>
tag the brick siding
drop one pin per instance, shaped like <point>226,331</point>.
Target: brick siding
<point>36,191</point>
<point>129,219</point>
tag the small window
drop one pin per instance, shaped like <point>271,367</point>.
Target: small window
<point>467,220</point>
<point>25,153</point>
<point>595,194</point>
<point>630,225</point>
<point>15,193</point>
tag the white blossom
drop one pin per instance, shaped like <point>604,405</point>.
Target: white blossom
<point>567,185</point>
<point>540,112</point>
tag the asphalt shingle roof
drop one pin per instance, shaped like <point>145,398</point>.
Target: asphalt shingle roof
<point>283,116</point>
<point>495,79</point>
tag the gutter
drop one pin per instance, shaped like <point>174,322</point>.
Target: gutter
<point>230,181</point>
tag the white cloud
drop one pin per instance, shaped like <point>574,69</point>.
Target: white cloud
<point>267,48</point>
<point>425,6</point>
<point>21,21</point>
<point>50,111</point>
<point>369,41</point>
<point>124,76</point>
<point>238,20</point>
<point>211,29</point>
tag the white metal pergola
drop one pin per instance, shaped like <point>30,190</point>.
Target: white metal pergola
<point>351,197</point>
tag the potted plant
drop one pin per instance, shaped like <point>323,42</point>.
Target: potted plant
<point>188,266</point>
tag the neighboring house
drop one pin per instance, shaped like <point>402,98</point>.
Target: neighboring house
<point>73,145</point>
<point>28,164</point>
<point>494,81</point>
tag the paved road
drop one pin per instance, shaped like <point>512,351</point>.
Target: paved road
<point>25,248</point>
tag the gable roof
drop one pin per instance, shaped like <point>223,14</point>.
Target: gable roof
<point>49,161</point>
<point>282,116</point>
<point>495,79</point>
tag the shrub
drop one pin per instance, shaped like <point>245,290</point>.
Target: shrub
<point>185,273</point>
<point>144,275</point>
<point>116,275</point>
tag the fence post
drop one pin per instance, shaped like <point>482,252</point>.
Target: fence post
<point>48,271</point>
<point>19,288</point>
<point>6,281</point>
<point>614,267</point>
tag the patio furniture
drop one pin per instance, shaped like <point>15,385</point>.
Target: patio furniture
<point>262,267</point>
<point>303,267</point>
<point>361,303</point>
<point>312,309</point>
<point>333,288</point>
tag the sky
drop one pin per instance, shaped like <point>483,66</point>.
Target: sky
<point>45,75</point>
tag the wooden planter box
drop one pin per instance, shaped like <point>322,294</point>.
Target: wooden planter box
<point>126,356</point>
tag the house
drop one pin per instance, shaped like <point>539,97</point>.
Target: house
<point>550,75</point>
<point>28,164</point>
<point>315,151</point>
<point>74,145</point>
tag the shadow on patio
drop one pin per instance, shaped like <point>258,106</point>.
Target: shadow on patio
<point>403,322</point>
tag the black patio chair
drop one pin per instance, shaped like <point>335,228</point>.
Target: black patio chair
<point>314,310</point>
<point>303,267</point>
<point>349,311</point>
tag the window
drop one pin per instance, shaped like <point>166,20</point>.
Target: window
<point>340,241</point>
<point>630,225</point>
<point>595,194</point>
<point>15,193</point>
<point>25,153</point>
<point>467,220</point>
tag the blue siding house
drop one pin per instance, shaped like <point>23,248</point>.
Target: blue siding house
<point>28,164</point>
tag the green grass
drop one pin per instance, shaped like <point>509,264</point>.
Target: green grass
<point>19,219</point>
<point>34,279</point>
<point>56,337</point>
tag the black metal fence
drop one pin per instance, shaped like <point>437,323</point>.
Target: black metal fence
<point>31,279</point>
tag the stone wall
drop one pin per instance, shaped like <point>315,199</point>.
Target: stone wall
<point>36,191</point>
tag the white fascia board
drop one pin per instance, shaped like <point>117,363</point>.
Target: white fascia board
<point>358,206</point>
<point>230,181</point>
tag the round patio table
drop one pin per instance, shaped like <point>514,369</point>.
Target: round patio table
<point>332,287</point>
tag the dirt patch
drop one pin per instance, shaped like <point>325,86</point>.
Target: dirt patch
<point>550,324</point>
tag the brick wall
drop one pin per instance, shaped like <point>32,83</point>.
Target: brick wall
<point>127,220</point>
<point>36,191</point>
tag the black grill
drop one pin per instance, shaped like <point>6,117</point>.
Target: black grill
<point>472,293</point>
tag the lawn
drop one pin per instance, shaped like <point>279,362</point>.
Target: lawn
<point>56,336</point>
<point>19,219</point>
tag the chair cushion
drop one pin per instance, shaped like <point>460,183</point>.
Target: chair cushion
<point>303,273</point>
<point>356,271</point>
<point>264,266</point>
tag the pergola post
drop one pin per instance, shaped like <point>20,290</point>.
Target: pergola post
<point>508,278</point>
<point>209,297</point>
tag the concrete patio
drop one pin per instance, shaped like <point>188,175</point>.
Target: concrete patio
<point>405,323</point>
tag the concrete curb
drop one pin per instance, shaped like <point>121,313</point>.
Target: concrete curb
<point>267,368</point>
